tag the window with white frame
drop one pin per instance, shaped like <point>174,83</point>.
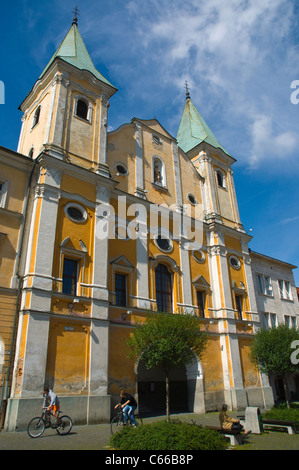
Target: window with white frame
<point>290,321</point>
<point>269,320</point>
<point>285,289</point>
<point>3,192</point>
<point>273,320</point>
<point>83,108</point>
<point>36,117</point>
<point>264,285</point>
<point>239,301</point>
<point>287,320</point>
<point>221,179</point>
<point>265,320</point>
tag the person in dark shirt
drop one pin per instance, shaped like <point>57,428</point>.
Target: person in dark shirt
<point>129,405</point>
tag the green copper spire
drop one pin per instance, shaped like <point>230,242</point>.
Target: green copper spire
<point>73,51</point>
<point>193,129</point>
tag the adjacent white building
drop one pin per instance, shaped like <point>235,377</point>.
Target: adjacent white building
<point>277,303</point>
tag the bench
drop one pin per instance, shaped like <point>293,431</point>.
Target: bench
<point>232,434</point>
<point>289,425</point>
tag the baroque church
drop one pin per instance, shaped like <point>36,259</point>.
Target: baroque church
<point>82,263</point>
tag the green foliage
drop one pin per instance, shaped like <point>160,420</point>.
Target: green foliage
<point>283,413</point>
<point>271,349</point>
<point>168,435</point>
<point>167,340</point>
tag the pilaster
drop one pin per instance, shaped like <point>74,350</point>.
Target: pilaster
<point>101,238</point>
<point>103,168</point>
<point>139,171</point>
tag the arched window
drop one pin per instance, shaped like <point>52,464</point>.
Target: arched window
<point>82,109</point>
<point>163,289</point>
<point>221,181</point>
<point>36,117</point>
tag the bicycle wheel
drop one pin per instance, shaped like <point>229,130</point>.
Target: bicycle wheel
<point>65,426</point>
<point>36,427</point>
<point>116,424</point>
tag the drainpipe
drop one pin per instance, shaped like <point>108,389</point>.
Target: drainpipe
<point>4,396</point>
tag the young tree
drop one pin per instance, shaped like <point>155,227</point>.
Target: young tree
<point>272,351</point>
<point>166,341</point>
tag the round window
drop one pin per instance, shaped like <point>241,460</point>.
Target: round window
<point>163,243</point>
<point>75,212</point>
<point>234,262</point>
<point>192,199</point>
<point>121,169</point>
<point>199,256</point>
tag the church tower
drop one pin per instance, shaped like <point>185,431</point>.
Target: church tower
<point>229,259</point>
<point>214,163</point>
<point>63,333</point>
<point>65,113</point>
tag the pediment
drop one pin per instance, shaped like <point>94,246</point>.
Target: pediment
<point>200,281</point>
<point>122,261</point>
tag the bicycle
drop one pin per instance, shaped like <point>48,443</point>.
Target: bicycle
<point>118,422</point>
<point>38,424</point>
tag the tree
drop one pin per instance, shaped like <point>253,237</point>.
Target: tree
<point>272,351</point>
<point>167,341</point>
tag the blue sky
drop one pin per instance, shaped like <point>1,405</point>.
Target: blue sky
<point>239,57</point>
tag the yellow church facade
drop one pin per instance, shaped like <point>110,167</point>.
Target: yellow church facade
<point>118,224</point>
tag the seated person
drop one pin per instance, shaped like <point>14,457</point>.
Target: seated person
<point>227,422</point>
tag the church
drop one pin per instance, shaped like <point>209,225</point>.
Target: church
<point>97,229</point>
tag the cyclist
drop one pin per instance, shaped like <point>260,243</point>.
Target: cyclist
<point>50,396</point>
<point>129,405</point>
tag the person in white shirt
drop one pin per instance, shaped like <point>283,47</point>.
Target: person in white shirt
<point>51,402</point>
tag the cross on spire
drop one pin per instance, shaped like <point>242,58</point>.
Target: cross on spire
<point>76,13</point>
<point>187,90</point>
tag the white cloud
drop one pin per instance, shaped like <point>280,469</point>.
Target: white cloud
<point>270,146</point>
<point>235,59</point>
<point>289,220</point>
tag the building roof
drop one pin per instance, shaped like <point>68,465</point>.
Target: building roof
<point>193,130</point>
<point>73,51</point>
<point>270,259</point>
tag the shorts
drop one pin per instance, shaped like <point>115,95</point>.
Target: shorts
<point>55,408</point>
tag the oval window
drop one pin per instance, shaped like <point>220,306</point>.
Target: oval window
<point>75,212</point>
<point>199,256</point>
<point>234,262</point>
<point>192,199</point>
<point>121,169</point>
<point>164,243</point>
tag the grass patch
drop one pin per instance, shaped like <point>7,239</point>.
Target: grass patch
<point>163,435</point>
<point>283,413</point>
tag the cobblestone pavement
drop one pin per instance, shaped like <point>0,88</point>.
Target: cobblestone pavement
<point>96,437</point>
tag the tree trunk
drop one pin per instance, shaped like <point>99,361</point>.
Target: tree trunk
<point>286,391</point>
<point>167,397</point>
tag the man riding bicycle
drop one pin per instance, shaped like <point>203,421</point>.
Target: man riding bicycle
<point>129,405</point>
<point>51,402</point>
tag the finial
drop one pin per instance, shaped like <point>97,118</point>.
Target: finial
<point>187,91</point>
<point>76,13</point>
